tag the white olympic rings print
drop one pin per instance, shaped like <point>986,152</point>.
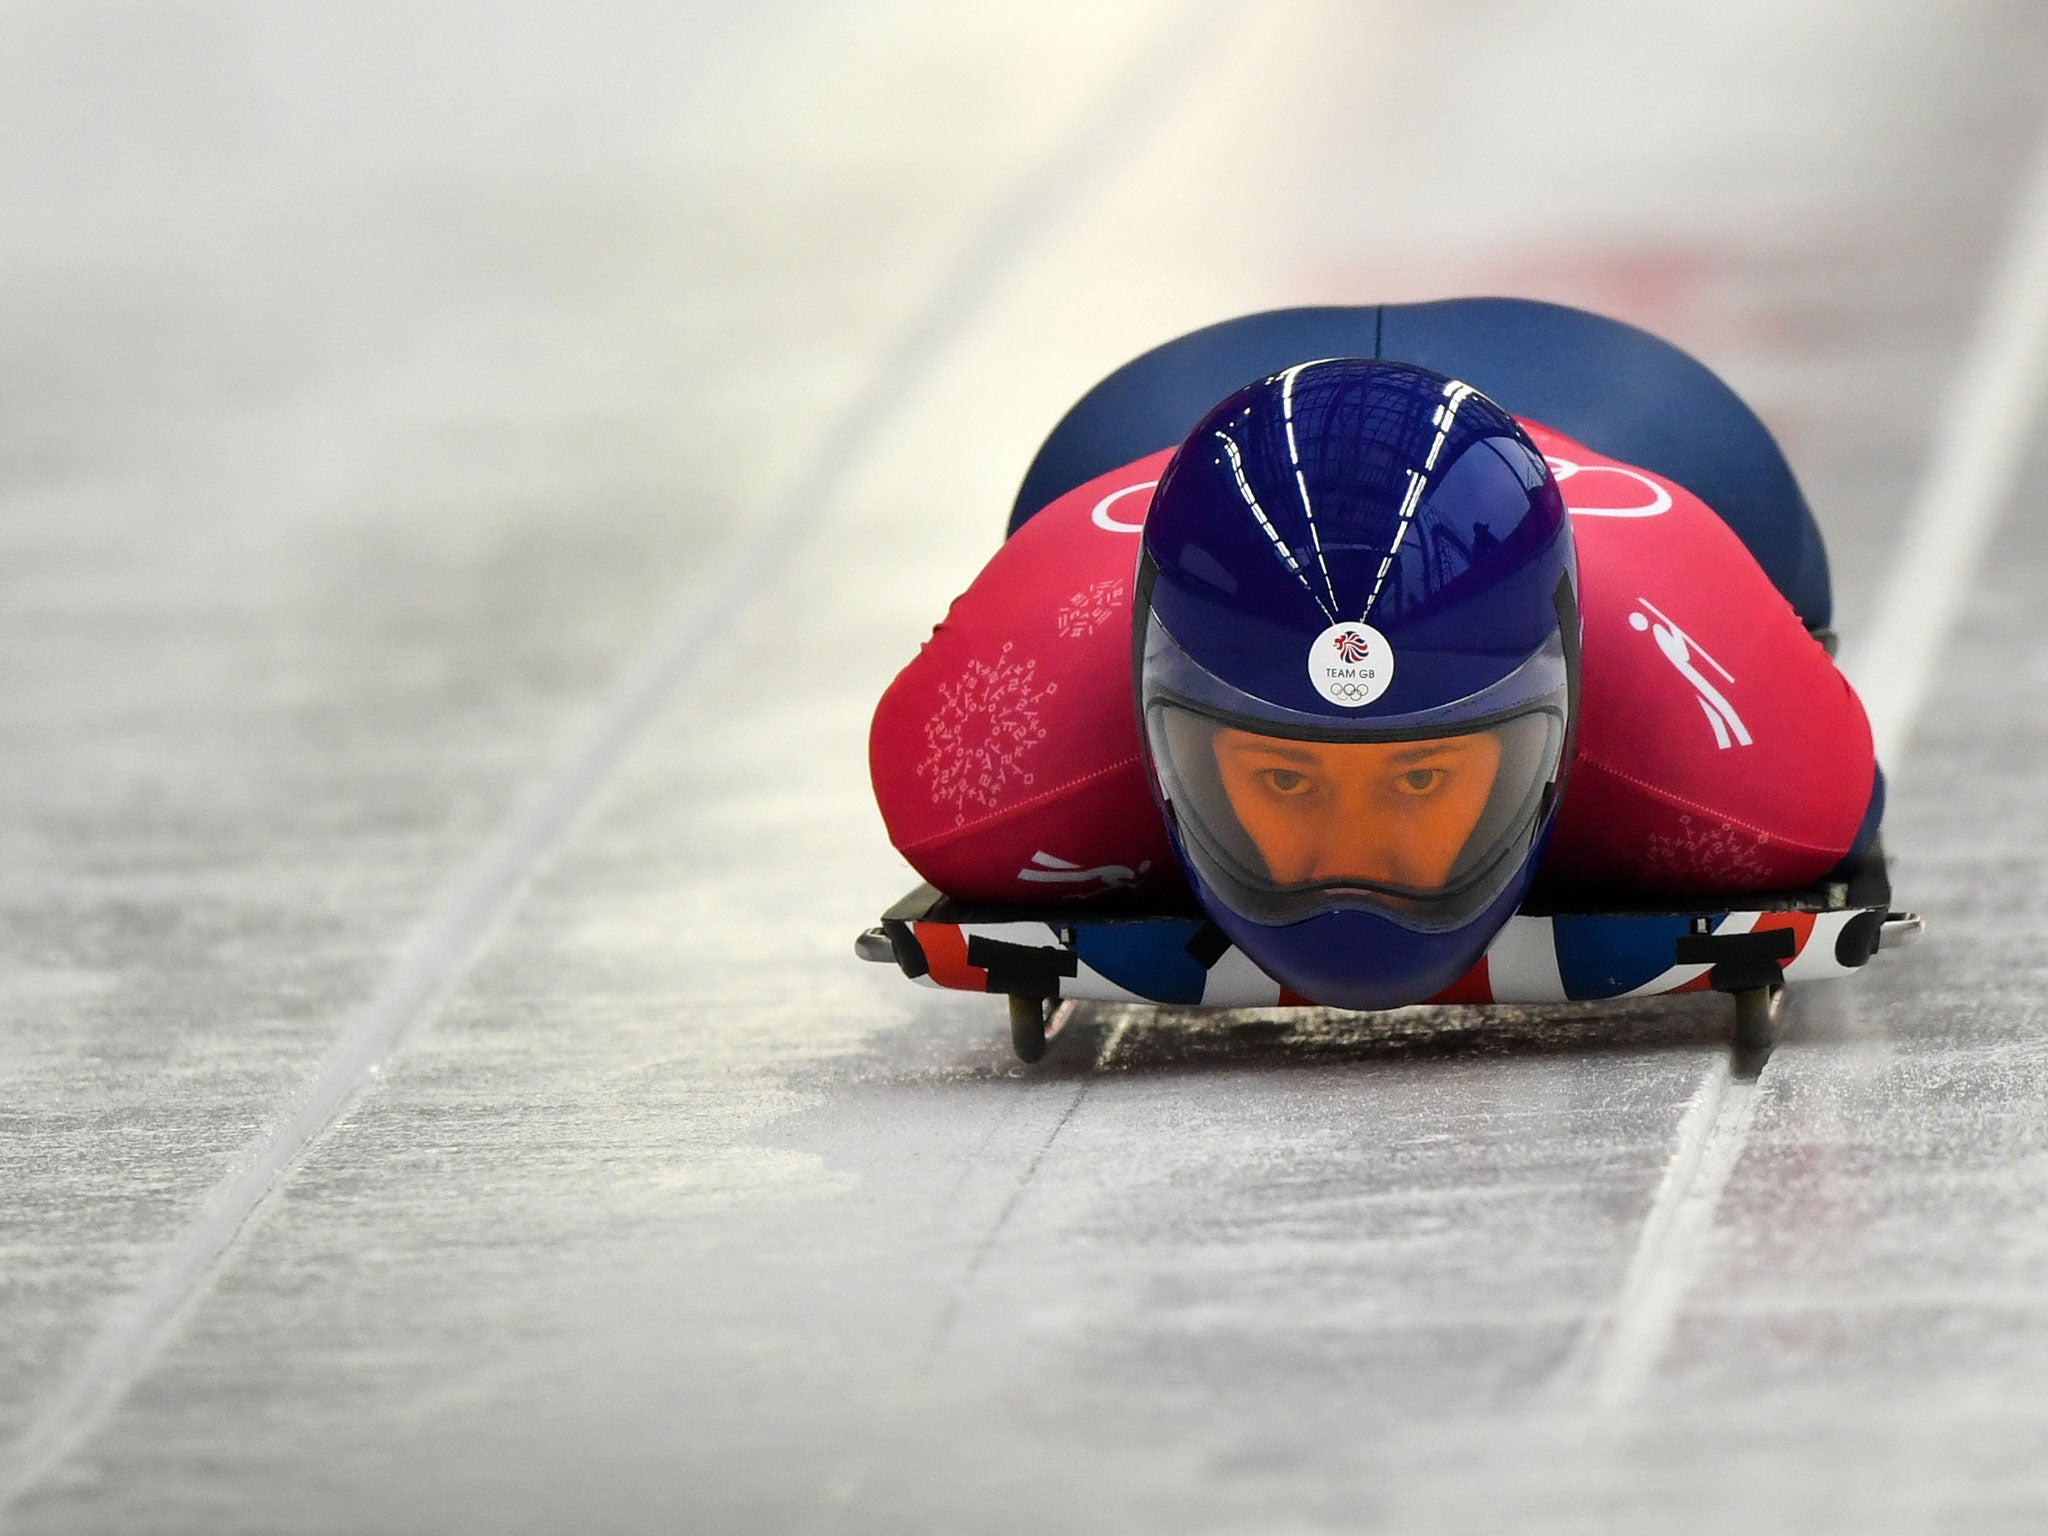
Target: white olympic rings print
<point>1565,469</point>
<point>1104,521</point>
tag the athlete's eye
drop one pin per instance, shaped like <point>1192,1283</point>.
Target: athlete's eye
<point>1422,781</point>
<point>1285,781</point>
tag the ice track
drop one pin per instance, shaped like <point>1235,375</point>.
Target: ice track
<point>469,472</point>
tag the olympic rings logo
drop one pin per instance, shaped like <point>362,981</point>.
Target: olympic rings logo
<point>1350,693</point>
<point>1101,518</point>
<point>1658,504</point>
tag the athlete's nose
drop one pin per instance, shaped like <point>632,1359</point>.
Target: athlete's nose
<point>1361,844</point>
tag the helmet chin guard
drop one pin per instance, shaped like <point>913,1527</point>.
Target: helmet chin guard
<point>1357,669</point>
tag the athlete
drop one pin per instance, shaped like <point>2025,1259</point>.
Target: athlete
<point>1397,652</point>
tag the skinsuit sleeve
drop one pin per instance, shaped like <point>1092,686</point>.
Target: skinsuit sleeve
<point>1005,757</point>
<point>1719,750</point>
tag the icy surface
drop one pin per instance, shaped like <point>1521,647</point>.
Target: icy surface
<point>401,402</point>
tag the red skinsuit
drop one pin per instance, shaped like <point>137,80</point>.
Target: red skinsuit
<point>1718,748</point>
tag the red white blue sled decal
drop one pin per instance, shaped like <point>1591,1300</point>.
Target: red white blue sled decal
<point>1748,946</point>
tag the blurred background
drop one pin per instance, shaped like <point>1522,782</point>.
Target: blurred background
<point>467,472</point>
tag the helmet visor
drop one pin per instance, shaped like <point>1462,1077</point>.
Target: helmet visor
<point>1426,827</point>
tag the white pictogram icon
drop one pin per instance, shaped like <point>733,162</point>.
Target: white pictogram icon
<point>1051,870</point>
<point>1679,649</point>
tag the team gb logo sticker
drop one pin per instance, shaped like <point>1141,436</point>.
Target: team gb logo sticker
<point>1351,664</point>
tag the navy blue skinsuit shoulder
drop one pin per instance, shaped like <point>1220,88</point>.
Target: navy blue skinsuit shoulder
<point>1615,388</point>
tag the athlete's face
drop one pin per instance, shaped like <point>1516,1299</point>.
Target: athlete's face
<point>1390,813</point>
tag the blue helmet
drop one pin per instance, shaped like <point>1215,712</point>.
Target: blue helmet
<point>1357,659</point>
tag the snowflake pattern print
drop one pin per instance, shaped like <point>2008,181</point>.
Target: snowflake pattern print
<point>1702,850</point>
<point>1086,612</point>
<point>986,724</point>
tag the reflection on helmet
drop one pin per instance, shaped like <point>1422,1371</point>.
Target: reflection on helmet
<point>1422,827</point>
<point>1362,852</point>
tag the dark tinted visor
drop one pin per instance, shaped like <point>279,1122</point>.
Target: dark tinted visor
<point>1427,827</point>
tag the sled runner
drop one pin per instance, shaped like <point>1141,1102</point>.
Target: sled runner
<point>1556,949</point>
